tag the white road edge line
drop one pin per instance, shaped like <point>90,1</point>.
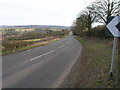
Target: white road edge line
<point>61,46</point>
<point>40,56</point>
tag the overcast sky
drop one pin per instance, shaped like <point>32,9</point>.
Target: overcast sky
<point>40,12</point>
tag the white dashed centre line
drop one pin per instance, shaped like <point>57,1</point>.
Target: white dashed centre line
<point>40,56</point>
<point>61,46</point>
<point>45,54</point>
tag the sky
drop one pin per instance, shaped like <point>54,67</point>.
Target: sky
<point>40,12</point>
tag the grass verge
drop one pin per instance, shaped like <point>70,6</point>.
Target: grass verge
<point>34,39</point>
<point>95,64</point>
<point>36,44</point>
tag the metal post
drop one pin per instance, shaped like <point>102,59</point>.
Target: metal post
<point>118,47</point>
<point>113,56</point>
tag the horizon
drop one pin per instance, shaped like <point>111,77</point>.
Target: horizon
<point>35,25</point>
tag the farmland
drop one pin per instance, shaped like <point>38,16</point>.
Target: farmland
<point>18,39</point>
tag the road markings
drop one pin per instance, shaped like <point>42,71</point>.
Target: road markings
<point>61,46</point>
<point>44,54</point>
<point>40,56</point>
<point>66,42</point>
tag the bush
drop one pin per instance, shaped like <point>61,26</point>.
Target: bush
<point>12,45</point>
<point>36,35</point>
<point>98,31</point>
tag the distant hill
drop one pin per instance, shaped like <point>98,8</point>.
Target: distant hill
<point>36,26</point>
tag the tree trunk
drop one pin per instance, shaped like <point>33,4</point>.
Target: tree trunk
<point>89,31</point>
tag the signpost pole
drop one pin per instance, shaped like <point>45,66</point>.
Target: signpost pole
<point>113,56</point>
<point>119,47</point>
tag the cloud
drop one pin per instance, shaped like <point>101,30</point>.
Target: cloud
<point>57,12</point>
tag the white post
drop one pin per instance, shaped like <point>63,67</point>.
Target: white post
<point>113,56</point>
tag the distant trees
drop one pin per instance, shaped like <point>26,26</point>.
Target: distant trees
<point>98,11</point>
<point>10,29</point>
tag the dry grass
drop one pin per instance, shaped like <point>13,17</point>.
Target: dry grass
<point>36,43</point>
<point>92,68</point>
<point>95,64</point>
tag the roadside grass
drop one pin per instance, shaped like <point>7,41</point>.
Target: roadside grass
<point>29,46</point>
<point>95,64</point>
<point>34,39</point>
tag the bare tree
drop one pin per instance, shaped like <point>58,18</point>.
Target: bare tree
<point>84,21</point>
<point>90,18</point>
<point>105,8</point>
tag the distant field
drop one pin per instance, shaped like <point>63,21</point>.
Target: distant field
<point>24,29</point>
<point>55,29</point>
<point>13,46</point>
<point>18,41</point>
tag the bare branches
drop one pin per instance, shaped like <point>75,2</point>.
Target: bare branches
<point>98,11</point>
<point>105,8</point>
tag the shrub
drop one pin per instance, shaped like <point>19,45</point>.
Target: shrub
<point>12,45</point>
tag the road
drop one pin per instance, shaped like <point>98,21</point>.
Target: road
<point>41,67</point>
